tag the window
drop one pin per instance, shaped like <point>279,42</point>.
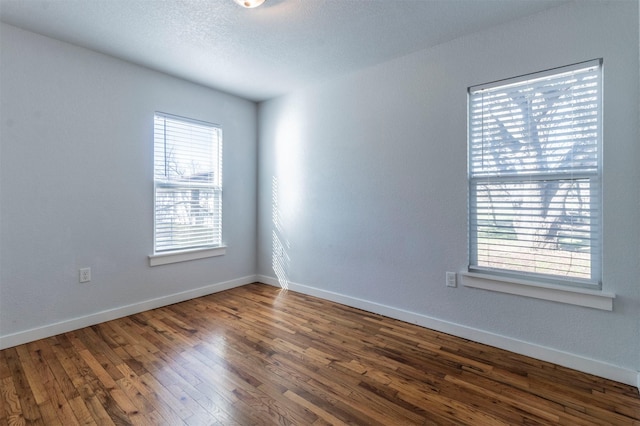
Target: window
<point>187,184</point>
<point>535,176</point>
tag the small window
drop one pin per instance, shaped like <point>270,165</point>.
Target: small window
<point>187,184</point>
<point>535,176</point>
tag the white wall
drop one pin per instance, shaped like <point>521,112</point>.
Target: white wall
<point>76,189</point>
<point>371,197</point>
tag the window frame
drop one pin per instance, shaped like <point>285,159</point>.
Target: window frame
<point>213,185</point>
<point>595,180</point>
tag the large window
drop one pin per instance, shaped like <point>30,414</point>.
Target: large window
<point>535,176</point>
<point>188,184</point>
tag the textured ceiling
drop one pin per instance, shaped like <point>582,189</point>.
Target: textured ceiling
<point>264,52</point>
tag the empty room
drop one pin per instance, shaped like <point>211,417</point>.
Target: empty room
<point>314,212</point>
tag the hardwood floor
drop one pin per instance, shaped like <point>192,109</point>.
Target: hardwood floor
<point>260,355</point>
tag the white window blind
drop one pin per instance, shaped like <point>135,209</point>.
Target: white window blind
<point>188,184</point>
<point>535,175</point>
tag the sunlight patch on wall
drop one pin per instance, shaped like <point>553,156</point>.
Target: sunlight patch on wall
<point>279,257</point>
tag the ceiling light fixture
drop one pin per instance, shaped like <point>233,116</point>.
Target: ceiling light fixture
<point>249,4</point>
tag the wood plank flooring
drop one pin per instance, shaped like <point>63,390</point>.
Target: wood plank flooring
<point>260,355</point>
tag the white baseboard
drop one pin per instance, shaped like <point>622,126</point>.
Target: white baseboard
<point>19,338</point>
<point>565,359</point>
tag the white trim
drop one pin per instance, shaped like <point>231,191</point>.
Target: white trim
<point>21,337</point>
<point>185,255</point>
<point>638,382</point>
<point>576,362</point>
<point>570,295</point>
<point>593,63</point>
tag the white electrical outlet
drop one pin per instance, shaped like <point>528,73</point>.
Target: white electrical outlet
<point>451,279</point>
<point>85,275</point>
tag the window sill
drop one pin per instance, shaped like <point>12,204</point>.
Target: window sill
<point>185,255</point>
<point>573,296</point>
